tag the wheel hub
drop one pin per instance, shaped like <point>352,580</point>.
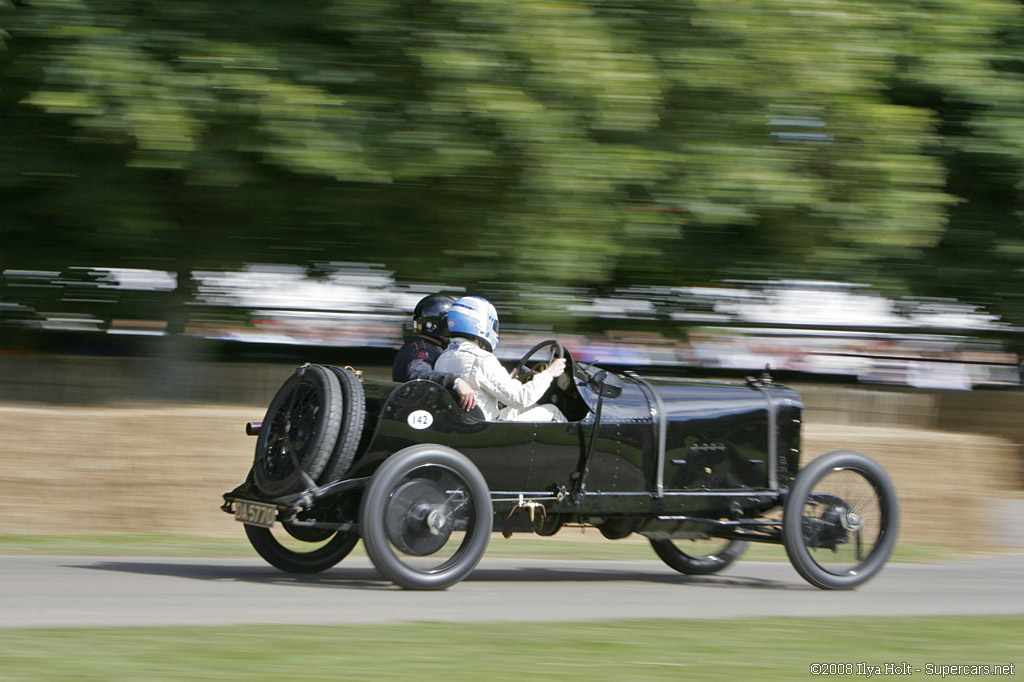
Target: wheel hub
<point>417,518</point>
<point>436,520</point>
<point>851,521</point>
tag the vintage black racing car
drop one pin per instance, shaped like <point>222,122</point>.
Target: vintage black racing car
<point>698,467</point>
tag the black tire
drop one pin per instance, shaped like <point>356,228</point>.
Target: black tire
<point>426,517</point>
<point>840,520</point>
<point>693,558</point>
<point>353,414</point>
<point>313,560</point>
<point>299,432</point>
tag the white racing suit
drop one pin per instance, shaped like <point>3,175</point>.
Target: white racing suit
<point>485,374</point>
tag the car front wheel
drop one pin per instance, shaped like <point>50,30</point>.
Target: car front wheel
<point>840,520</point>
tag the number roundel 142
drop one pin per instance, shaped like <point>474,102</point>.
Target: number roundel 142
<point>420,419</point>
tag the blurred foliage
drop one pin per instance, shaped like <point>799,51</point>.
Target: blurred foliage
<point>542,143</point>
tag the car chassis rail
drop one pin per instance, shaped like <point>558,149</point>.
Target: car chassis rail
<point>290,507</point>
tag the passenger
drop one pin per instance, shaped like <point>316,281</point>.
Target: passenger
<point>473,328</point>
<point>417,357</point>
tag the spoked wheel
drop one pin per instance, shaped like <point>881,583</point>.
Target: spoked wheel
<point>299,432</point>
<point>426,517</point>
<point>840,520</point>
<point>698,557</point>
<point>300,549</point>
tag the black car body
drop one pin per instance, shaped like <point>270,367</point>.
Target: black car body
<point>679,461</point>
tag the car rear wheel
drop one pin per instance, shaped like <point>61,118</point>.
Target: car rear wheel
<point>299,549</point>
<point>426,517</point>
<point>698,557</point>
<point>840,520</point>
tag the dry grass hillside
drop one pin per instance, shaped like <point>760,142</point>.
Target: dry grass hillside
<point>69,470</point>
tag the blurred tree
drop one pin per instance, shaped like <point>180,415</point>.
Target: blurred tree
<point>536,144</point>
<point>965,64</point>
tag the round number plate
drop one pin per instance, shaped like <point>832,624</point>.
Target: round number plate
<point>420,419</point>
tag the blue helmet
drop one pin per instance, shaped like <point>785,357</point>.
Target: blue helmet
<point>476,317</point>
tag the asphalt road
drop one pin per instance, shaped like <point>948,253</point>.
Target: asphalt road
<point>89,591</point>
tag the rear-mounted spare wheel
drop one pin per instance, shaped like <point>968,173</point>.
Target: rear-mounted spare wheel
<point>300,431</point>
<point>353,415</point>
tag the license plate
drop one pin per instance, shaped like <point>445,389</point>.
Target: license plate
<point>255,514</point>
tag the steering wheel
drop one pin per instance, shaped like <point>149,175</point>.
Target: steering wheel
<point>557,351</point>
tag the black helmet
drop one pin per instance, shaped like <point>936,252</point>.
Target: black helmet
<point>429,317</point>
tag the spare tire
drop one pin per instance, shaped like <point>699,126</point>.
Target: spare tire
<point>299,432</point>
<point>353,414</point>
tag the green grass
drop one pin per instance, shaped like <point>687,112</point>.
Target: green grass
<point>570,543</point>
<point>755,649</point>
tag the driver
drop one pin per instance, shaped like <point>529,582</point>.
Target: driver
<point>473,327</point>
